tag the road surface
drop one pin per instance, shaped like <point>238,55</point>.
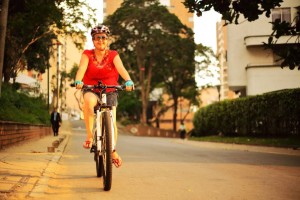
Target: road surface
<point>170,169</point>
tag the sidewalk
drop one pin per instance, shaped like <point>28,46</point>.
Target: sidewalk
<point>24,167</point>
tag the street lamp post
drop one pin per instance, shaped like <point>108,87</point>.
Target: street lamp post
<point>57,73</point>
<point>219,92</point>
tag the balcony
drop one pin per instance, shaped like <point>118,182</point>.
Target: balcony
<point>258,40</point>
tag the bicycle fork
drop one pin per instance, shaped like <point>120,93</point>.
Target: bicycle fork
<point>99,125</point>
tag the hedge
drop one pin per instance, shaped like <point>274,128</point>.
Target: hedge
<point>274,114</point>
<point>18,107</point>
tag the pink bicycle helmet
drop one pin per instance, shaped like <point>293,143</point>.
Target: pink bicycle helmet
<point>100,29</point>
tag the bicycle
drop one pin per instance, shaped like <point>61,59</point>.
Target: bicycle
<point>103,144</point>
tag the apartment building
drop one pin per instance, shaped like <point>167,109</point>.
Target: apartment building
<point>246,66</point>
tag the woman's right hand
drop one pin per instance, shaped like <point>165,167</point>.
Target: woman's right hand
<point>78,84</point>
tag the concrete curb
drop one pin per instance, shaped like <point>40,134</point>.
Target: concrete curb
<point>42,184</point>
<point>242,147</point>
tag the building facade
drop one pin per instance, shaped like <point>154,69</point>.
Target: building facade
<point>246,66</point>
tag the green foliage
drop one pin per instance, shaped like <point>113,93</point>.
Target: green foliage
<point>155,47</point>
<point>72,74</point>
<point>271,114</point>
<point>232,9</point>
<point>129,106</point>
<point>18,107</point>
<point>32,28</point>
<point>143,30</point>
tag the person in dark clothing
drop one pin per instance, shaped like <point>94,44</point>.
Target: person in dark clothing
<point>55,121</point>
<point>182,130</point>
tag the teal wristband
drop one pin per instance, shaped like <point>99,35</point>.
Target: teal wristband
<point>77,82</point>
<point>129,83</point>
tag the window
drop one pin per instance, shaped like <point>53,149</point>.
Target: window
<point>284,14</point>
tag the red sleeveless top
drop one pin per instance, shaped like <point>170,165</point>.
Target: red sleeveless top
<point>104,71</point>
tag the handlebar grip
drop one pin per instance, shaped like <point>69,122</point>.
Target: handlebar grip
<point>121,87</point>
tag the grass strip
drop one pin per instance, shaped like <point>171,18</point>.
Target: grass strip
<point>290,142</point>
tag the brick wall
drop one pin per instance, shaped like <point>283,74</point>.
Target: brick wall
<point>12,133</point>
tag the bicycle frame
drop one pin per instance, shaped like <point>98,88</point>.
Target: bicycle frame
<point>99,125</point>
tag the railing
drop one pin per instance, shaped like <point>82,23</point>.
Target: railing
<point>12,133</point>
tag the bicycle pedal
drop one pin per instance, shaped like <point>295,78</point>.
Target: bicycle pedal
<point>93,149</point>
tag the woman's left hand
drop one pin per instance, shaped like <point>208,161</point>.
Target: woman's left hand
<point>129,86</point>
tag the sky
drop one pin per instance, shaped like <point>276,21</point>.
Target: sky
<point>99,16</point>
<point>205,33</point>
<point>205,29</point>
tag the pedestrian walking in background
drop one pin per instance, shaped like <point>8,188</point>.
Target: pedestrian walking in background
<point>182,130</point>
<point>55,121</point>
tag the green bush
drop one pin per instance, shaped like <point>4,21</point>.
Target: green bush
<point>129,107</point>
<point>271,114</point>
<point>18,107</point>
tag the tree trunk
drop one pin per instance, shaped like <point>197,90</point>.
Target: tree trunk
<point>144,105</point>
<point>143,94</point>
<point>145,81</point>
<point>175,114</point>
<point>3,21</point>
<point>157,123</point>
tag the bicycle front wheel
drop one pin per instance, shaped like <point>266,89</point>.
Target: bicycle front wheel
<point>107,151</point>
<point>98,158</point>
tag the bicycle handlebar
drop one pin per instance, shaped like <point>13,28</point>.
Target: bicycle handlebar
<point>118,87</point>
<point>101,86</point>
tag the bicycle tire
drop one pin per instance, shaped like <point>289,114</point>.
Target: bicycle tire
<point>98,159</point>
<point>99,165</point>
<point>107,151</point>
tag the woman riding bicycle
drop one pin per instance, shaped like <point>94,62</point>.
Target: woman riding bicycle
<point>100,64</point>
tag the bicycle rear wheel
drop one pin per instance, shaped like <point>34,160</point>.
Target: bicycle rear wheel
<point>98,159</point>
<point>107,151</point>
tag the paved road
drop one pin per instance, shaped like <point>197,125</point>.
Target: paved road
<point>164,168</point>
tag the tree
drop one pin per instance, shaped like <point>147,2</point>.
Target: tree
<point>177,71</point>
<point>4,11</point>
<point>231,11</point>
<point>33,26</point>
<point>207,70</point>
<point>150,41</point>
